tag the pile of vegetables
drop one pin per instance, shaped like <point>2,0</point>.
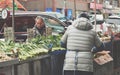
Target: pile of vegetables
<point>50,42</point>
<point>36,47</point>
<point>4,57</point>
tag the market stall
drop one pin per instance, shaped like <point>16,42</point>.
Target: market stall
<point>44,56</point>
<point>31,58</point>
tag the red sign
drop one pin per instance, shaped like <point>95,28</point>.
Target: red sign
<point>98,6</point>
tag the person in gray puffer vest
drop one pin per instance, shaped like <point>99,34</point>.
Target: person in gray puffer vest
<point>79,39</point>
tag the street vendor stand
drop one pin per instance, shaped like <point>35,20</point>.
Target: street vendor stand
<point>52,63</point>
<point>49,64</point>
<point>40,65</point>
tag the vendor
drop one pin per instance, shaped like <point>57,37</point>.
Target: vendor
<point>39,27</point>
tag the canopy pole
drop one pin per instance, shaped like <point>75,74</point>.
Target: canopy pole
<point>95,15</point>
<point>75,8</point>
<point>13,23</point>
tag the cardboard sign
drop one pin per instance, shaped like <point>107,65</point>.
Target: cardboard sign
<point>48,31</point>
<point>103,59</point>
<point>30,33</point>
<point>8,33</point>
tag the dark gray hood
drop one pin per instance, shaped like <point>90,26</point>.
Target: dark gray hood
<point>83,24</point>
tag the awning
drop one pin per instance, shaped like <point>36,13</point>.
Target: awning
<point>8,4</point>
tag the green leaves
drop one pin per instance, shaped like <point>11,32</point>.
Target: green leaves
<point>47,40</point>
<point>37,46</point>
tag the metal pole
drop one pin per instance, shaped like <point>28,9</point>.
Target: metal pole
<point>13,12</point>
<point>75,7</point>
<point>95,14</point>
<point>65,4</point>
<point>64,8</point>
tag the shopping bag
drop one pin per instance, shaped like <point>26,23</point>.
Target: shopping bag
<point>102,58</point>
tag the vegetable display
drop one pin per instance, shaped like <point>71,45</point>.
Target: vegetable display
<point>39,45</point>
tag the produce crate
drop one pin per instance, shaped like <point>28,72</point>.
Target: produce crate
<point>106,69</point>
<point>9,62</point>
<point>39,65</point>
<point>116,71</point>
<point>7,67</point>
<point>22,69</point>
<point>45,66</point>
<point>8,70</point>
<point>116,53</point>
<point>57,62</point>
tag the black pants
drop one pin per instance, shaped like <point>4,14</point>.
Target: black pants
<point>77,73</point>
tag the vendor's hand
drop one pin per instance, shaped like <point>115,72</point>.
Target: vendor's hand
<point>103,52</point>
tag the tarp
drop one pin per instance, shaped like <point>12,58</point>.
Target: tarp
<point>8,4</point>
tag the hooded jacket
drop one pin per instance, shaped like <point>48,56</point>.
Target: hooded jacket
<point>80,39</point>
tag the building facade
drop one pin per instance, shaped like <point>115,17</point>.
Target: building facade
<point>68,7</point>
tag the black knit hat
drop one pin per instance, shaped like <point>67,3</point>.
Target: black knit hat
<point>83,14</point>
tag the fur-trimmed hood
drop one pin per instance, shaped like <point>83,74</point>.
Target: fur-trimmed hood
<point>83,24</point>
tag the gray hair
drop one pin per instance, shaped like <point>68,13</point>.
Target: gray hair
<point>38,17</point>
